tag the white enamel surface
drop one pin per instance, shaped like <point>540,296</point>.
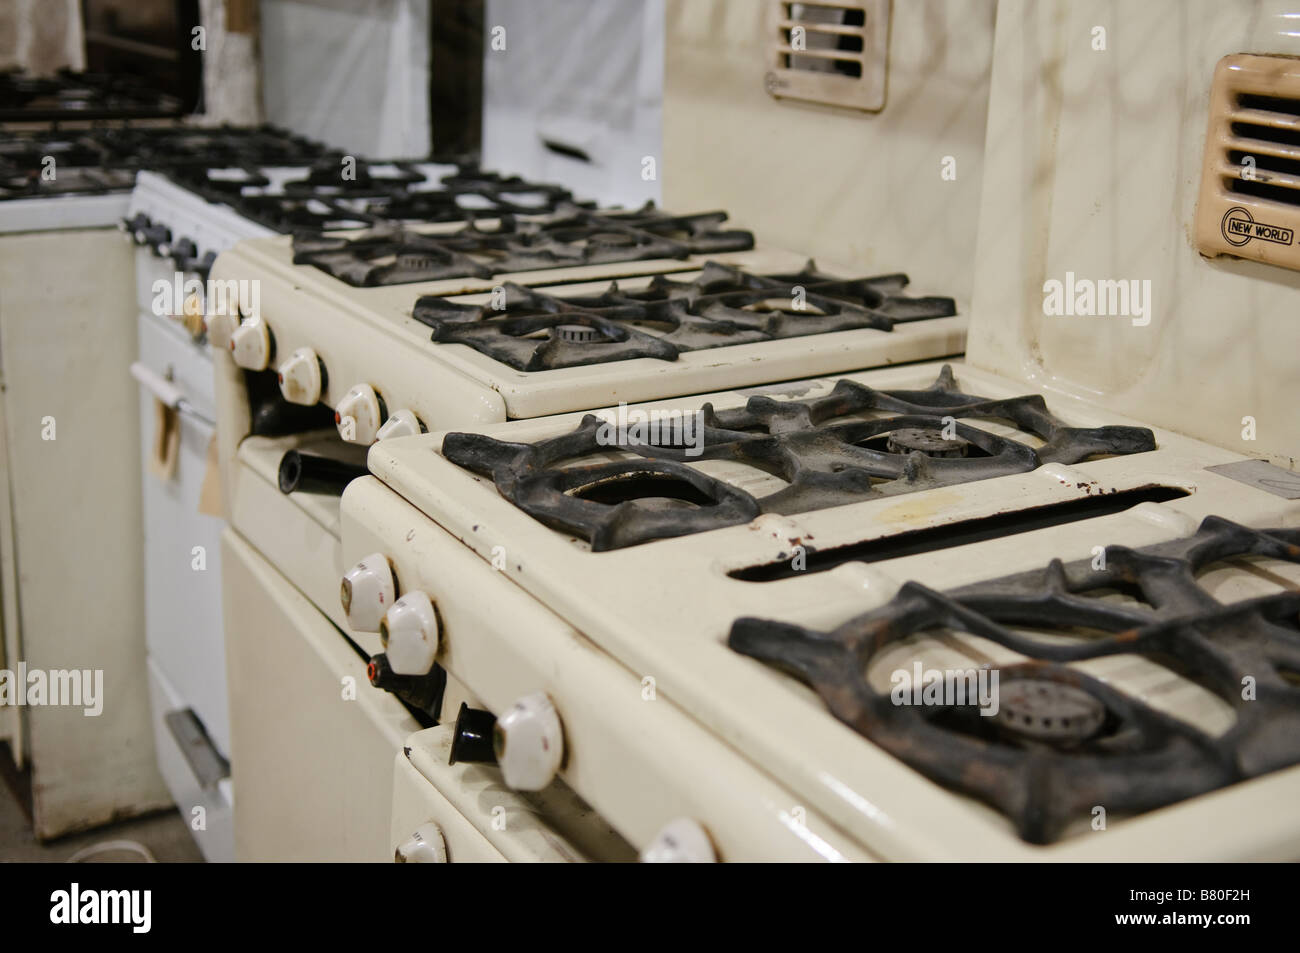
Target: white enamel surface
<point>221,328</point>
<point>300,377</point>
<point>682,841</point>
<point>666,608</point>
<point>1094,167</point>
<point>529,742</point>
<point>368,591</point>
<point>400,423</point>
<point>250,345</point>
<point>358,415</point>
<point>182,552</point>
<point>314,780</point>
<point>410,633</point>
<point>425,846</point>
<point>553,827</point>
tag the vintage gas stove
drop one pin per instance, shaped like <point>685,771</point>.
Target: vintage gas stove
<point>847,529</point>
<point>1038,605</point>
<point>394,328</point>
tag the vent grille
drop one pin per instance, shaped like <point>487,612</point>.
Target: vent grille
<point>1249,204</point>
<point>835,54</point>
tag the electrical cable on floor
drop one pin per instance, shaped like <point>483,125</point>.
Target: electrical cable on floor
<point>104,847</point>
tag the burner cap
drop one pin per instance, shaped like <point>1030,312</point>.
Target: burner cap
<point>576,333</point>
<point>930,442</point>
<point>1041,710</point>
<point>413,261</point>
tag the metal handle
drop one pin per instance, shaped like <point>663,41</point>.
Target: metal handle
<point>167,392</point>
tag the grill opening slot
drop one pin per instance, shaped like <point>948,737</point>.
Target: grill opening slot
<point>1263,190</point>
<point>951,535</point>
<point>1272,104</point>
<point>821,64</point>
<point>841,42</point>
<point>1253,130</point>
<point>811,13</point>
<point>1264,161</point>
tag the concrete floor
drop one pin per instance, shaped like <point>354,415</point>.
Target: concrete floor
<point>163,834</point>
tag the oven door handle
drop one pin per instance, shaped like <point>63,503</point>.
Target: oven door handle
<point>167,392</point>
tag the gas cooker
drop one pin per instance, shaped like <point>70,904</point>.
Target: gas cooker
<point>557,337</point>
<point>871,572</point>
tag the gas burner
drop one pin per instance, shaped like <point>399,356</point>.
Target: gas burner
<point>390,254</point>
<point>1063,741</point>
<point>825,452</point>
<point>723,306</point>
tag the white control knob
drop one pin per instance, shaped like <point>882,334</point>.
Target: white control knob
<point>221,327</point>
<point>400,423</point>
<point>250,345</point>
<point>409,632</point>
<point>682,841</point>
<point>425,846</point>
<point>359,415</point>
<point>300,377</point>
<point>367,592</point>
<point>529,743</point>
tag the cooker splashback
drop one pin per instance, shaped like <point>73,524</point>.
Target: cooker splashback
<point>894,190</point>
<point>1087,275</point>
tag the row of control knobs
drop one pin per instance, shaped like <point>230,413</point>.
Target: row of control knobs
<point>527,740</point>
<point>361,415</point>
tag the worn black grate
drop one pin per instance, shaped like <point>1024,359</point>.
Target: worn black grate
<point>725,305</point>
<point>1066,742</point>
<point>572,236</point>
<point>919,443</point>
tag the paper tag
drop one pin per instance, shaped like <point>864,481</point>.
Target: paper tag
<point>210,492</point>
<point>165,450</point>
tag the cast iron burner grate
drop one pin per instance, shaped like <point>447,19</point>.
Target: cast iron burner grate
<point>825,460</point>
<point>389,254</point>
<point>385,193</point>
<point>105,158</point>
<point>725,305</point>
<point>1063,741</point>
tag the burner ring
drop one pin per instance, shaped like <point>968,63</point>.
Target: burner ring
<point>928,441</point>
<point>1048,711</point>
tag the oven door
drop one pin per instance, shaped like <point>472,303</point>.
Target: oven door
<point>182,558</point>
